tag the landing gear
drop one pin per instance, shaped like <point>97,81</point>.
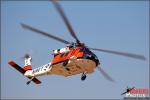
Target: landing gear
<point>83,77</point>
<point>28,82</point>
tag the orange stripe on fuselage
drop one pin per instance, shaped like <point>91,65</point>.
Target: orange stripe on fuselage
<point>29,67</point>
<point>60,57</point>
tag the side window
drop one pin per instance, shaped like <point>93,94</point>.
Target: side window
<point>66,53</point>
<point>81,50</point>
<point>62,55</point>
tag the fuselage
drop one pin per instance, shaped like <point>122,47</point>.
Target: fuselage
<point>70,62</point>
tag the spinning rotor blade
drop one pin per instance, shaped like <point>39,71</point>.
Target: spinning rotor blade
<point>105,74</point>
<point>64,17</point>
<point>22,58</point>
<point>27,55</point>
<point>44,33</point>
<point>135,56</point>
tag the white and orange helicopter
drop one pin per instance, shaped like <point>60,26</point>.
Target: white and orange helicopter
<point>75,58</point>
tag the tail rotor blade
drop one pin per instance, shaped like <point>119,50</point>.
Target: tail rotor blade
<point>27,55</point>
<point>23,57</point>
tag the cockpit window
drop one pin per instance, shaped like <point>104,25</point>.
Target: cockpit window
<point>62,55</point>
<point>89,53</point>
<point>81,50</point>
<point>66,53</point>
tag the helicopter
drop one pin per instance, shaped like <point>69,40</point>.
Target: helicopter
<point>74,58</point>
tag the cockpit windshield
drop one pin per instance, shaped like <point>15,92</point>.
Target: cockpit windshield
<point>90,55</point>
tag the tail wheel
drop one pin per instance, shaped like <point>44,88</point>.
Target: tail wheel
<point>28,82</point>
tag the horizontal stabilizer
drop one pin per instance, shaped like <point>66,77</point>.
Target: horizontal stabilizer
<point>35,80</point>
<point>16,66</point>
<point>21,70</point>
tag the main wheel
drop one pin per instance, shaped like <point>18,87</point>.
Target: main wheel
<point>28,82</point>
<point>83,77</point>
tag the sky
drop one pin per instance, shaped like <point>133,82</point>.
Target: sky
<point>115,25</point>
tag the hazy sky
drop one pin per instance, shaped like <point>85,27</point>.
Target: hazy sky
<point>115,25</point>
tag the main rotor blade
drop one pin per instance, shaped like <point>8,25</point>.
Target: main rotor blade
<point>65,19</point>
<point>105,74</point>
<point>131,55</point>
<point>44,33</point>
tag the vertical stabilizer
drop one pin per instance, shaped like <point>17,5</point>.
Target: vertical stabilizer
<point>27,62</point>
